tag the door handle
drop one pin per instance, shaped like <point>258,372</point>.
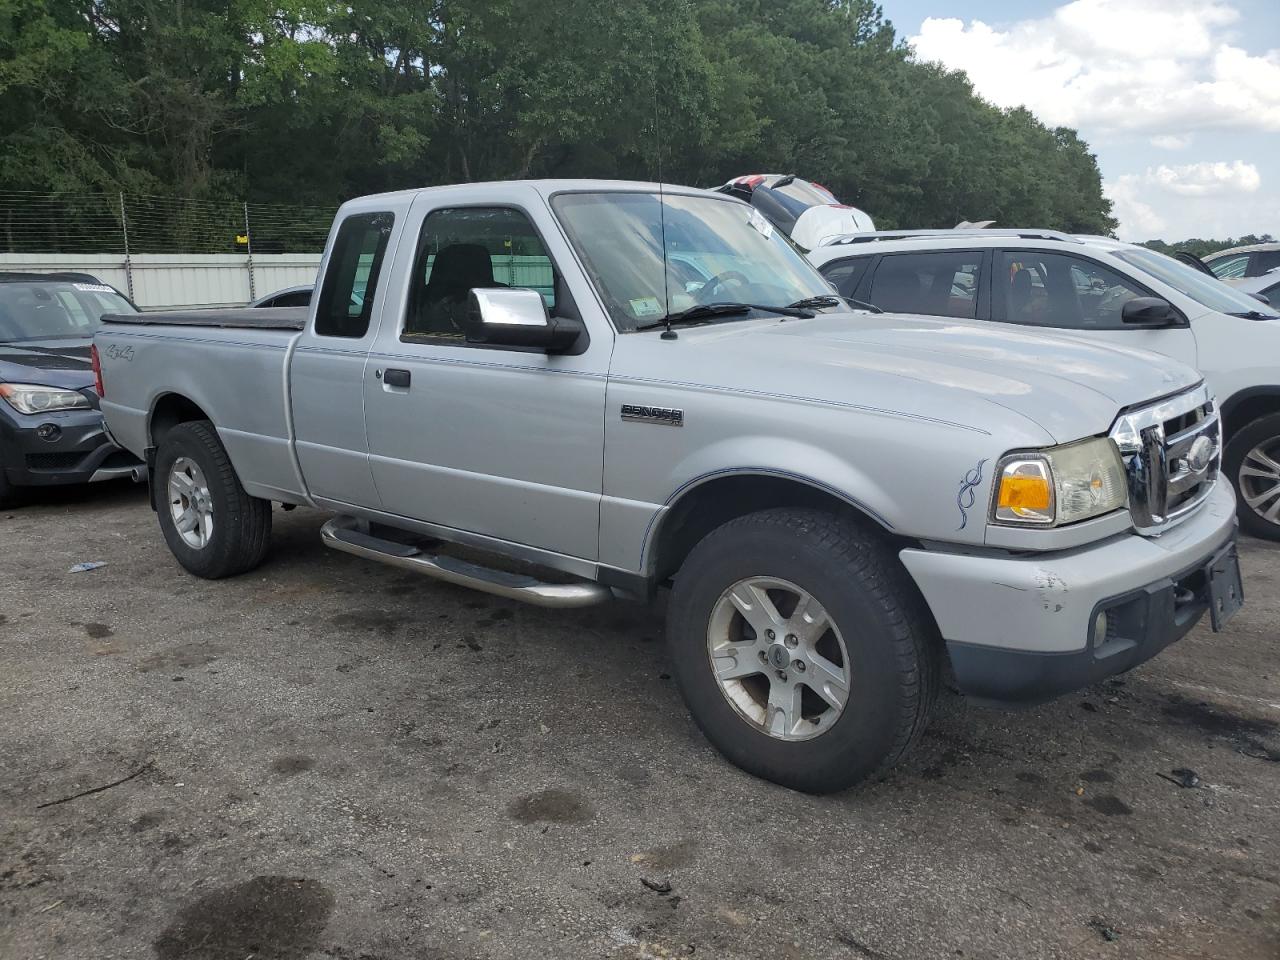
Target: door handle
<point>396,378</point>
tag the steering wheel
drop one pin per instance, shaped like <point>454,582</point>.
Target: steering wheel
<point>721,280</point>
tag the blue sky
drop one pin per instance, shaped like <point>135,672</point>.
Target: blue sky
<point>1180,99</point>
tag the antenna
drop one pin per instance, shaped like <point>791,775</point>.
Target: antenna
<point>668,333</point>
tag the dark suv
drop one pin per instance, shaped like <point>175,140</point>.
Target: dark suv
<point>51,430</point>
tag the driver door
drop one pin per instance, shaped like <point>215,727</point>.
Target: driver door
<point>504,442</point>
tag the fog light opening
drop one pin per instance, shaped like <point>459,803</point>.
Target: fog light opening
<point>48,431</point>
<point>1100,625</point>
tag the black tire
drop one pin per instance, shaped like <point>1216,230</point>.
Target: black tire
<point>241,523</point>
<point>1265,431</point>
<point>894,657</point>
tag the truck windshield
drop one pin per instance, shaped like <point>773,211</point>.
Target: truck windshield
<point>55,310</point>
<point>1206,290</point>
<point>717,251</point>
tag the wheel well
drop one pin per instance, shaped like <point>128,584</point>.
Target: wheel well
<point>171,410</point>
<point>1243,409</point>
<point>715,502</point>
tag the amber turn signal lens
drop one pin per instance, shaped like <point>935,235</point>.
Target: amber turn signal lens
<point>1020,492</point>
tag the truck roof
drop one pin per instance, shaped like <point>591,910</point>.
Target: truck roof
<point>546,188</point>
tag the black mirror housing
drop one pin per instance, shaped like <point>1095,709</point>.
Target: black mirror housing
<point>512,317</point>
<point>1150,312</point>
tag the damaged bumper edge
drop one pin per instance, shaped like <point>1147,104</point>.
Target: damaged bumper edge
<point>1021,628</point>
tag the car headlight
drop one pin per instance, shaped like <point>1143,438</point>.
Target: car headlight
<point>1060,485</point>
<point>33,398</point>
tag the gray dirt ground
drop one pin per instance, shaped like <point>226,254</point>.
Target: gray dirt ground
<point>339,760</point>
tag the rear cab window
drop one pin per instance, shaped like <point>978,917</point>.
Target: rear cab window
<point>351,278</point>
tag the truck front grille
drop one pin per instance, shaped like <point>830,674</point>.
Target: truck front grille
<point>1172,452</point>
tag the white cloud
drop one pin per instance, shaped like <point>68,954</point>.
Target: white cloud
<point>1208,199</point>
<point>1138,219</point>
<point>1207,179</point>
<point>1161,67</point>
<point>1169,141</point>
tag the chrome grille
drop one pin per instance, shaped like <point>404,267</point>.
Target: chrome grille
<point>1172,452</point>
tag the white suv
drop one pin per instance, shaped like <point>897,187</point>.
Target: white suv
<point>1107,291</point>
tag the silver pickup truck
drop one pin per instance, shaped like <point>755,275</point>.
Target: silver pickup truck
<point>562,392</point>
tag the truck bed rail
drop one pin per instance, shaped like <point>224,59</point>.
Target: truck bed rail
<point>262,318</point>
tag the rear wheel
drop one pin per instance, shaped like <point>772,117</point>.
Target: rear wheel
<point>212,526</point>
<point>1252,461</point>
<point>802,649</point>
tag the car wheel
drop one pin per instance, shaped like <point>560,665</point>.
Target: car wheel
<point>1252,461</point>
<point>802,649</point>
<point>212,526</point>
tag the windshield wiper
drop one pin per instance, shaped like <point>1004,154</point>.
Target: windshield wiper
<point>1256,315</point>
<point>704,312</point>
<point>833,300</point>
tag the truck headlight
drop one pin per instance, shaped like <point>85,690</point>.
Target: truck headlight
<point>33,398</point>
<point>1060,485</point>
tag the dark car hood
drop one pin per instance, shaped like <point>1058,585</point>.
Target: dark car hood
<point>55,363</point>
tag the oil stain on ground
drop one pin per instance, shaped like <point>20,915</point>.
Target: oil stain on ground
<point>551,806</point>
<point>267,918</point>
<point>291,766</point>
<point>98,631</point>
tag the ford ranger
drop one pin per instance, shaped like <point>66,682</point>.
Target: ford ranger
<point>562,392</point>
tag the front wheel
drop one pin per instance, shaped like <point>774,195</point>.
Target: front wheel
<point>802,649</point>
<point>212,526</point>
<point>1252,462</point>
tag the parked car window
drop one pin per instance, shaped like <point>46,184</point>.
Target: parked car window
<point>299,298</point>
<point>845,275</point>
<point>1229,268</point>
<point>463,248</point>
<point>937,284</point>
<point>351,279</point>
<point>55,309</point>
<point>1056,290</point>
<point>1264,261</point>
<point>1200,287</point>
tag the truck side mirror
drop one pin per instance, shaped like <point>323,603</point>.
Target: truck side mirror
<point>503,316</point>
<point>1150,312</point>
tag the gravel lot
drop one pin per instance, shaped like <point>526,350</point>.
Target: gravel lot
<point>328,758</point>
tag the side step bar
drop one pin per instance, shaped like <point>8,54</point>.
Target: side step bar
<point>343,533</point>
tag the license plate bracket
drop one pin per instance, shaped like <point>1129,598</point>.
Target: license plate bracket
<point>1226,588</point>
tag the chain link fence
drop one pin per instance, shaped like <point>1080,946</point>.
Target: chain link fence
<point>164,251</point>
<point>137,223</point>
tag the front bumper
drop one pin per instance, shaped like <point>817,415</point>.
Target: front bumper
<point>1019,628</point>
<point>81,451</point>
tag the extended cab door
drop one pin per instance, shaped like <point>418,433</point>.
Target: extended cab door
<point>1076,294</point>
<point>326,372</point>
<point>504,442</point>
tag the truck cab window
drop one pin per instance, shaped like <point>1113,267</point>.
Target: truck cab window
<point>351,279</point>
<point>464,248</point>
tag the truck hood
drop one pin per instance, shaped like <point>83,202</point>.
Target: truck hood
<point>1068,387</point>
<point>55,362</point>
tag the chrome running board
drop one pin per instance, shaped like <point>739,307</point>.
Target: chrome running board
<point>345,534</point>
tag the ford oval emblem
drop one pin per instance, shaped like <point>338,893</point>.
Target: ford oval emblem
<point>1201,454</point>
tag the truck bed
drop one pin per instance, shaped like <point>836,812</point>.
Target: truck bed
<point>231,364</point>
<point>261,318</point>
